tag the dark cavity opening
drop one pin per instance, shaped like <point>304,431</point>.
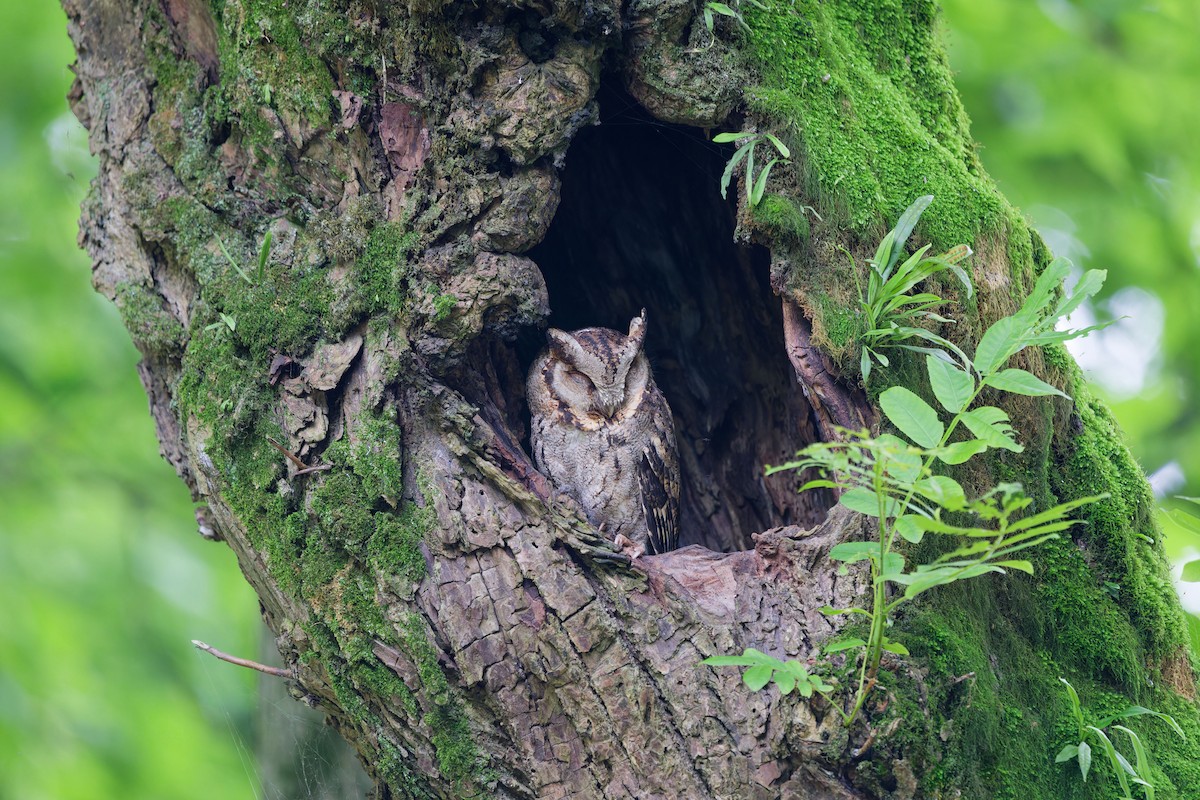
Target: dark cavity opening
<point>642,225</point>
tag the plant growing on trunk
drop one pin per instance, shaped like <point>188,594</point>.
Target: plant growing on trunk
<point>1127,773</point>
<point>756,186</point>
<point>894,478</point>
<point>889,313</point>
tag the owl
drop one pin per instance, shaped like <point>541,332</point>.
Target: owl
<point>602,432</point>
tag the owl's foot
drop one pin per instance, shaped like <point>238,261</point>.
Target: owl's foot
<point>629,547</point>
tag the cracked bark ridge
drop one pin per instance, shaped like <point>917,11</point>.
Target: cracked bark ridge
<point>574,673</point>
<point>835,404</point>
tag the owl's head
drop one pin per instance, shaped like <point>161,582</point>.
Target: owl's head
<point>594,369</point>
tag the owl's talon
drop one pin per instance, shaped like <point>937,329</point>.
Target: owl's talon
<point>629,547</point>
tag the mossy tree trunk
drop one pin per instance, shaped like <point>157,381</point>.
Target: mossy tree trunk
<point>438,182</point>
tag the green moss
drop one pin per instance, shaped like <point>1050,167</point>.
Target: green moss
<point>154,328</point>
<point>380,270</point>
<point>443,305</point>
<point>840,327</point>
<point>376,458</point>
<point>1121,536</point>
<point>782,218</point>
<point>865,89</point>
<point>395,547</point>
<point>271,56</point>
<point>459,758</point>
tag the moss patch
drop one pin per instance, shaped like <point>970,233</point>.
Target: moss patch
<point>154,329</point>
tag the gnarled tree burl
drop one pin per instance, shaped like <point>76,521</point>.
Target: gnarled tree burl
<point>440,181</point>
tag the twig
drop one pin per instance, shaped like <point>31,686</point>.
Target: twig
<point>243,662</point>
<point>309,470</point>
<point>295,459</point>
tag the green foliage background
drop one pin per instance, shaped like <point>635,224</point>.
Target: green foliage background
<point>1087,115</point>
<point>103,578</point>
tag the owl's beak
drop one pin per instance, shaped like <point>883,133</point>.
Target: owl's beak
<point>608,406</point>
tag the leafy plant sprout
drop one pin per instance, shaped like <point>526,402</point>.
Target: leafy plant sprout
<point>747,141</point>
<point>891,478</point>
<point>712,9</point>
<point>264,255</point>
<point>889,313</point>
<point>1127,773</point>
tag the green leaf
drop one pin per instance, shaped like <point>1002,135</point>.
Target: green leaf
<point>893,566</point>
<point>1138,711</point>
<point>723,9</point>
<point>1057,512</point>
<point>1076,706</point>
<point>864,501</point>
<point>1018,381</point>
<point>1185,519</point>
<point>959,452</point>
<point>999,342</point>
<point>750,168</point>
<point>756,678</point>
<point>780,146</point>
<point>1066,754</point>
<point>233,263</point>
<point>894,647</point>
<point>264,253</point>
<point>912,415</point>
<point>1091,282</point>
<point>1084,756</point>
<point>723,138</point>
<point>951,386</point>
<point>991,426</point>
<point>1023,566</point>
<point>853,551</point>
<point>785,681</point>
<point>909,528</point>
<point>830,611</point>
<point>844,644</point>
<point>864,364</point>
<point>1143,759</point>
<point>741,153</point>
<point>1043,290</point>
<point>881,264</point>
<point>904,227</point>
<point>760,184</point>
<point>1191,572</point>
<point>944,491</point>
<point>729,661</point>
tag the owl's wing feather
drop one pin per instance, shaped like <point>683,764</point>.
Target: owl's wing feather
<point>658,479</point>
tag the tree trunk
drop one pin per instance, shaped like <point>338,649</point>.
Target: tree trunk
<point>337,231</point>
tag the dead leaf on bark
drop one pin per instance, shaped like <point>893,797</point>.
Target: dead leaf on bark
<point>329,362</point>
<point>278,363</point>
<point>405,139</point>
<point>351,105</point>
<point>193,24</point>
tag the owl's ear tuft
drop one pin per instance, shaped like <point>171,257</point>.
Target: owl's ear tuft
<point>564,345</point>
<point>637,330</point>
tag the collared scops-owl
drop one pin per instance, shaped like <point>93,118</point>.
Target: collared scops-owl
<point>602,433</point>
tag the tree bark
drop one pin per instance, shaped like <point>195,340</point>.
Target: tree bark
<point>441,181</point>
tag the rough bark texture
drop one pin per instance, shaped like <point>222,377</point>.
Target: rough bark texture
<point>454,617</point>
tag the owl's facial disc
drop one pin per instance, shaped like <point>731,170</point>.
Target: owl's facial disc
<point>597,364</point>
